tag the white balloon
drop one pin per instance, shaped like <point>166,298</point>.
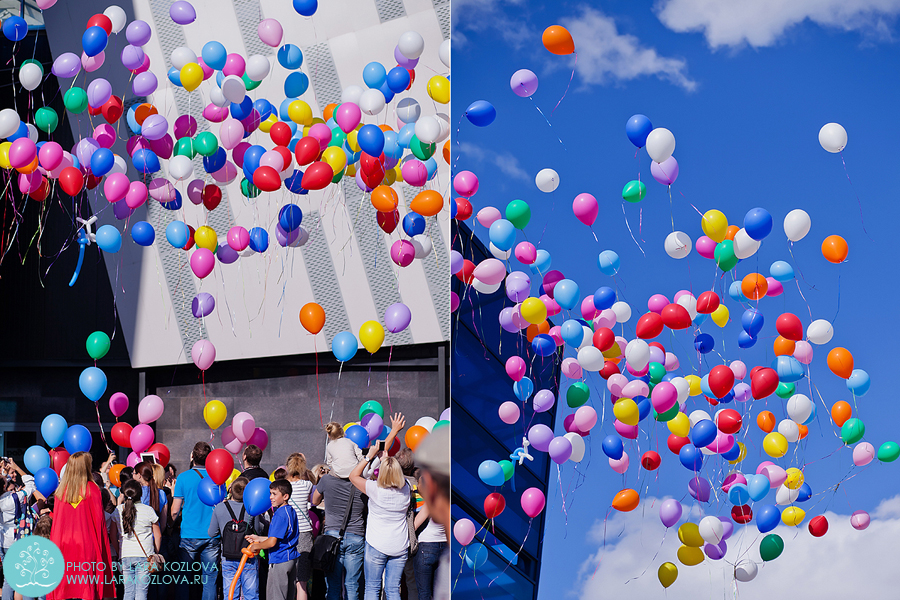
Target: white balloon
<point>444,53</point>
<point>180,168</point>
<point>799,408</point>
<point>660,144</point>
<point>833,137</point>
<point>411,45</point>
<point>622,310</point>
<point>588,337</point>
<point>684,388</point>
<point>258,67</point>
<point>591,359</point>
<point>182,56</point>
<point>422,244</point>
<point>547,180</point>
<point>744,245</point>
<point>689,303</point>
<point>711,529</point>
<point>117,16</point>
<point>746,571</point>
<point>637,354</point>
<point>678,244</point>
<point>234,89</point>
<point>485,288</point>
<point>32,132</point>
<point>351,93</point>
<point>443,120</point>
<point>577,446</point>
<point>698,415</point>
<point>820,332</point>
<point>789,430</point>
<point>785,495</point>
<point>498,253</point>
<point>371,102</point>
<point>796,224</point>
<point>408,110</point>
<point>218,98</point>
<point>119,165</point>
<point>30,76</point>
<point>9,122</point>
<point>427,422</point>
<point>428,130</point>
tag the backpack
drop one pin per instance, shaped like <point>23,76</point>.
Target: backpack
<point>24,519</point>
<point>233,536</point>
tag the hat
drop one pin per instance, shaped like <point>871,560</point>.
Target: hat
<point>433,453</point>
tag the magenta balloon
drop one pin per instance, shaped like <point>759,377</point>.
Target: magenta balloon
<point>524,83</point>
<point>202,263</point>
<point>347,116</point>
<point>30,182</point>
<point>397,318</point>
<point>626,431</point>
<point>588,310</point>
<point>137,194</point>
<point>207,70</point>
<point>243,426</point>
<point>403,252</point>
<point>533,502</point>
<point>138,33</point>
<point>270,32</point>
<point>136,143</point>
<point>543,401</point>
<point>215,114</point>
<point>144,66</point>
<point>22,152</point>
<point>665,172</point>
<point>234,65</point>
<point>141,438</point>
<point>516,367</point>
<point>132,459</point>
<point>259,438</point>
<point>150,409</point>
<point>669,512</point>
<point>132,57</point>
<point>585,208</point>
<point>454,301</point>
<point>657,303</point>
<point>406,63</point>
<point>98,92</point>
<point>203,352</point>
<point>540,437</point>
<point>705,247</point>
<point>161,190</point>
<point>185,126</point>
<point>66,65</point>
<point>250,123</point>
<point>465,183</point>
<point>115,187</point>
<point>526,253</point>
<point>414,172</point>
<point>163,147</point>
<point>118,404</point>
<point>700,489</point>
<point>104,134</point>
<point>230,441</point>
<point>50,155</point>
<point>195,191</point>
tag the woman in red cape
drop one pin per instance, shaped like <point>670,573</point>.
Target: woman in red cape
<point>79,530</point>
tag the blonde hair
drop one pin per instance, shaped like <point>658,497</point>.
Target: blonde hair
<point>334,430</point>
<point>74,481</point>
<point>159,475</point>
<point>390,475</point>
<point>318,472</point>
<point>296,466</point>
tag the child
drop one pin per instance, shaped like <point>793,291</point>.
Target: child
<point>301,490</point>
<point>139,530</point>
<point>281,543</point>
<point>223,515</point>
<point>279,473</point>
<point>341,454</point>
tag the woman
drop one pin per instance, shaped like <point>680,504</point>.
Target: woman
<point>139,528</point>
<point>301,490</point>
<point>79,531</point>
<point>151,495</point>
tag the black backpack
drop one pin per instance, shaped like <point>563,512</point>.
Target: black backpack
<point>233,536</point>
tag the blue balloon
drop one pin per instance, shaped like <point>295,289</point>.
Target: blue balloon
<point>290,57</point>
<point>358,435</point>
<point>177,233</point>
<point>398,79</point>
<point>242,110</point>
<point>296,84</point>
<point>174,75</point>
<point>46,481</point>
<point>752,321</point>
<point>132,122</point>
<point>805,493</point>
<point>481,113</point>
<point>214,55</point>
<point>109,239</point>
<point>15,29</point>
<point>290,217</point>
<point>414,223</point>
<point>53,430</point>
<point>295,183</point>
<point>502,234</point>
<point>213,163</point>
<point>174,204</point>
<point>604,298</point>
<point>374,75</point>
<point>405,135</point>
<point>858,382</point>
<point>142,233</point>
<point>92,382</point>
<point>265,108</point>
<point>566,294</point>
<point>391,148</point>
<point>524,388</point>
<point>370,139</point>
<point>703,433</point>
<point>491,473</point>
<point>78,439</point>
<point>645,407</point>
<point>704,343</point>
<point>691,458</point>
<point>613,447</point>
<point>21,132</point>
<point>781,271</point>
<point>733,453</point>
<point>386,91</point>
<point>259,239</point>
<point>256,496</point>
<point>637,129</point>
<point>788,368</point>
<point>758,486</point>
<point>727,398</point>
<point>251,160</point>
<point>758,223</point>
<point>542,263</point>
<point>476,555</point>
<point>745,340</point>
<point>145,161</point>
<point>608,262</point>
<point>306,8</point>
<point>572,332</point>
<point>543,345</point>
<point>734,291</point>
<point>704,386</point>
<point>344,346</point>
<point>812,415</point>
<point>385,431</point>
<point>738,494</point>
<point>767,517</point>
<point>93,40</point>
<point>36,458</point>
<point>283,109</point>
<point>102,161</point>
<point>431,167</point>
<point>700,319</point>
<point>210,493</point>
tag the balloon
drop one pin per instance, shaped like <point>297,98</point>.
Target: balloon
<point>46,481</point>
<point>667,574</point>
<point>840,361</point>
<point>480,113</point>
<point>397,317</point>
<point>464,531</point>
<point>150,409</point>
<point>585,208</point>
<point>532,501</point>
<point>36,458</point>
<point>660,145</point>
<point>626,500</point>
<point>523,83</point>
<point>558,40</point>
<point>53,430</point>
<point>209,492</point>
<point>758,223</point>
<point>834,249</point>
<point>771,547</point>
<point>637,128</point>
<point>634,191</point>
<point>833,137</point>
<point>491,473</point>
<point>796,225</point>
<point>678,244</point>
<point>203,353</point>
<point>547,180</point>
<point>92,382</point>
<point>371,334</point>
<point>219,465</point>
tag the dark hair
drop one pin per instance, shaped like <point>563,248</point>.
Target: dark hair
<point>145,470</point>
<point>280,473</point>
<point>201,451</point>
<point>106,499</point>
<point>131,489</point>
<point>173,468</point>
<point>253,455</point>
<point>98,479</point>
<point>43,526</point>
<point>407,461</point>
<point>237,488</point>
<point>126,474</point>
<point>282,486</point>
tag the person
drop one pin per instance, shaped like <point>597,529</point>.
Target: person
<point>196,543</point>
<point>433,458</point>
<point>151,495</point>
<point>251,458</point>
<point>281,543</point>
<point>408,587</point>
<point>279,473</point>
<point>171,472</point>
<point>223,514</point>
<point>301,490</point>
<point>79,531</point>
<point>141,539</point>
<point>19,485</point>
<point>432,543</point>
<point>341,454</point>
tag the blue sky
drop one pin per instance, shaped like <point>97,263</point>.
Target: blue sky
<point>745,91</point>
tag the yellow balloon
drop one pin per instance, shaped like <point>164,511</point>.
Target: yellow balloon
<point>696,388</point>
<point>794,478</point>
<point>206,237</point>
<point>741,456</point>
<point>793,516</point>
<point>349,425</point>
<point>775,444</point>
<point>613,351</point>
<point>715,225</point>
<point>398,175</point>
<point>191,76</point>
<point>300,113</point>
<point>352,142</point>
<point>234,475</point>
<point>4,155</point>
<point>439,89</point>
<point>390,176</point>
<point>266,125</point>
<point>336,158</point>
<point>690,556</point>
<point>371,334</point>
<point>214,413</point>
<point>680,425</point>
<point>689,534</point>
<point>534,311</point>
<point>667,574</point>
<point>720,315</point>
<point>627,411</point>
<point>351,170</point>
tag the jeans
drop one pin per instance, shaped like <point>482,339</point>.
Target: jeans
<point>8,593</point>
<point>349,567</point>
<point>378,564</point>
<point>248,583</point>
<point>206,551</point>
<point>427,558</point>
<point>136,577</point>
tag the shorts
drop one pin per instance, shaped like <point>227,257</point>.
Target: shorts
<point>304,563</point>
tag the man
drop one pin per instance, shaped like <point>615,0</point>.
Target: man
<point>196,543</point>
<point>19,485</point>
<point>433,457</point>
<point>251,459</point>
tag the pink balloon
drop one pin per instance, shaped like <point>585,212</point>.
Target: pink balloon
<point>118,404</point>
<point>585,417</point>
<point>403,252</point>
<point>585,208</point>
<point>732,479</point>
<point>234,65</point>
<point>863,454</point>
<point>516,367</point>
<point>657,303</point>
<point>616,384</point>
<point>775,287</point>
<point>202,263</point>
<point>50,155</point>
<point>203,353</point>
<point>465,184</point>
<point>150,409</point>
<point>207,70</point>
<point>803,352</point>
<point>665,172</point>
<point>132,459</point>
<point>347,116</point>
<point>664,396</point>
<point>556,333</point>
<point>588,310</point>
<point>414,172</point>
<point>705,247</point>
<point>238,238</point>
<point>859,520</point>
<point>215,114</point>
<point>775,474</point>
<point>231,132</point>
<point>92,63</point>
<point>464,531</point>
<point>533,503</point>
<point>738,368</point>
<point>626,431</point>
<point>620,465</point>
<point>526,253</point>
<point>141,438</point>
<point>454,301</point>
<point>553,307</point>
<point>104,134</point>
<point>571,368</point>
<point>116,186</point>
<point>605,318</point>
<point>635,388</point>
<point>487,215</point>
<point>22,152</point>
<point>161,190</point>
<point>270,32</point>
<point>230,441</point>
<point>723,443</point>
<point>672,363</point>
<point>321,133</point>
<point>243,426</point>
<point>509,412</point>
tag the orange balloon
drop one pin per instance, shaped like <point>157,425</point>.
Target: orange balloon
<point>312,317</point>
<point>384,199</point>
<point>731,232</point>
<point>840,412</point>
<point>385,128</point>
<point>427,203</point>
<point>143,111</point>
<point>835,249</point>
<point>29,168</point>
<point>766,421</point>
<point>414,436</point>
<point>114,475</point>
<point>447,152</point>
<point>804,430</point>
<point>783,346</point>
<point>329,111</point>
<point>754,286</point>
<point>534,330</point>
<point>626,500</point>
<point>558,40</point>
<point>840,361</point>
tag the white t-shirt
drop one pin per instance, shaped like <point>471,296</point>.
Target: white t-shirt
<point>386,528</point>
<point>433,533</point>
<point>341,455</point>
<point>300,493</point>
<point>143,527</point>
<point>8,510</point>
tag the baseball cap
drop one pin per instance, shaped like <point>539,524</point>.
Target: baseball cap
<point>433,453</point>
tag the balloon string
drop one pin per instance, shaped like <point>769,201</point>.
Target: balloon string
<point>571,77</point>
<point>458,148</point>
<point>102,433</point>
<point>838,297</point>
<point>318,394</point>
<point>548,122</point>
<point>603,547</point>
<point>630,232</point>
<point>808,307</point>
<point>858,201</point>
<point>387,380</point>
<point>516,555</point>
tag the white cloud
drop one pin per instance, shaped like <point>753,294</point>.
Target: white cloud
<point>843,564</point>
<point>506,162</point>
<point>606,55</point>
<point>762,23</point>
<point>479,16</point>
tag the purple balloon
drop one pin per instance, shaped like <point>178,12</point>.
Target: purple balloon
<point>138,33</point>
<point>226,254</point>
<point>373,425</point>
<point>132,56</point>
<point>727,527</point>
<point>717,551</point>
<point>98,92</point>
<point>362,184</point>
<point>144,84</point>
<point>445,416</point>
<point>540,437</point>
<point>161,190</point>
<point>665,172</point>
<point>506,320</point>
<point>121,210</point>
<point>742,392</point>
<point>66,65</point>
<point>84,149</point>
<point>163,148</point>
<point>406,63</point>
<point>397,317</point>
<point>517,288</point>
<point>154,127</point>
<point>185,126</point>
<point>456,262</point>
<point>283,237</point>
<point>670,512</point>
<point>560,449</point>
<point>700,489</point>
<point>182,12</point>
<point>524,83</point>
<point>543,401</point>
<point>203,304</point>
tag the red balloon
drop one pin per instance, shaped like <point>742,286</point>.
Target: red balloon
<point>58,459</point>
<point>790,327</point>
<point>371,164</point>
<point>763,383</point>
<point>729,421</point>
<point>121,434</point>
<point>675,316</point>
<point>190,242</point>
<point>373,180</point>
<point>604,338</point>
<point>317,176</point>
<point>609,369</point>
<point>94,111</point>
<point>463,209</point>
<point>100,20</point>
<point>395,447</point>
<point>466,274</point>
<point>755,370</point>
<point>741,514</point>
<point>412,78</point>
<point>306,151</point>
<point>267,179</point>
<point>211,196</point>
<point>650,460</point>
<point>649,326</point>
<point>707,303</point>
<point>281,133</point>
<point>676,442</point>
<point>112,109</point>
<point>388,221</point>
<point>42,192</point>
<point>71,180</point>
<point>162,451</point>
<point>818,526</point>
<point>219,465</point>
<point>92,181</point>
<point>494,505</point>
<point>721,380</point>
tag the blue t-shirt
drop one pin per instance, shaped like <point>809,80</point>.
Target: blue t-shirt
<point>145,498</point>
<point>195,514</point>
<point>283,527</point>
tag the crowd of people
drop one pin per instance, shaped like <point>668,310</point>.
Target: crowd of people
<point>350,528</point>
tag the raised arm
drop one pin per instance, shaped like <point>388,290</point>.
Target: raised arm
<point>356,477</point>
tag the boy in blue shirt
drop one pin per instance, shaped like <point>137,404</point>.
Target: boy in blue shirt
<point>281,543</point>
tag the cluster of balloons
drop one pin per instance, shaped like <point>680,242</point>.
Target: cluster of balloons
<point>371,427</point>
<point>242,431</point>
<point>344,345</point>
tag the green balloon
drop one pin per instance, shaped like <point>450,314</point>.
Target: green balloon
<point>31,60</point>
<point>785,390</point>
<point>508,468</point>
<point>518,213</point>
<point>577,394</point>
<point>889,452</point>
<point>371,406</point>
<point>420,149</point>
<point>249,190</point>
<point>852,431</point>
<point>338,138</point>
<point>771,547</point>
<point>185,147</point>
<point>634,191</point>
<point>97,345</point>
<point>443,423</point>
<point>666,416</point>
<point>657,372</point>
<point>339,175</point>
<point>75,100</point>
<point>206,143</point>
<point>724,255</point>
<point>46,119</point>
<point>249,83</point>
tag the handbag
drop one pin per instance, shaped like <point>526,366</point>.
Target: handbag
<point>411,518</point>
<point>155,562</point>
<point>327,548</point>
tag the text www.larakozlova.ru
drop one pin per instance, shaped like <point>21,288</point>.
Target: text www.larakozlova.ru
<point>86,573</point>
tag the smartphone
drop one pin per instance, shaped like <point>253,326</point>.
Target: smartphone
<point>148,457</point>
<point>379,445</point>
